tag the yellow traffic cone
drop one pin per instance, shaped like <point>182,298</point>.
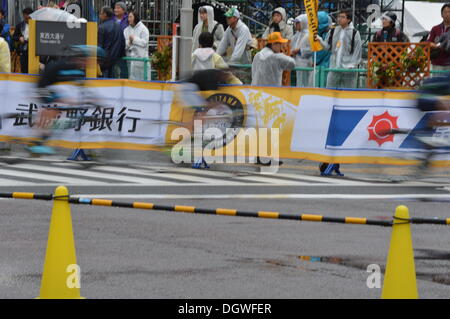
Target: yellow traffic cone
<point>400,274</point>
<point>60,279</point>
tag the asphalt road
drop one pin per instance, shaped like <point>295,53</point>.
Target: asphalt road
<point>126,253</point>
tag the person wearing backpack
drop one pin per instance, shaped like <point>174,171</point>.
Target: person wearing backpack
<point>389,33</point>
<point>207,24</point>
<point>345,45</point>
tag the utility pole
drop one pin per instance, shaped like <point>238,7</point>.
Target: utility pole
<point>186,21</point>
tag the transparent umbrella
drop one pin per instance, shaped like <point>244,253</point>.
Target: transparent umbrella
<point>51,14</point>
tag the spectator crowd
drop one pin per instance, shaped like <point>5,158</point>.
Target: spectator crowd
<point>121,33</point>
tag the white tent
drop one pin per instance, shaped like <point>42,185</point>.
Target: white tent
<point>421,16</point>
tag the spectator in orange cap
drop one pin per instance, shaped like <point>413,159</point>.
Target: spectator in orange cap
<point>269,64</point>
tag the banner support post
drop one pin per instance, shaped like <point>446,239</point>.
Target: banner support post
<point>33,60</point>
<point>91,39</point>
<point>315,69</point>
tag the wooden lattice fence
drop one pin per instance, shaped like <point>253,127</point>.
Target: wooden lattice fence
<point>397,65</point>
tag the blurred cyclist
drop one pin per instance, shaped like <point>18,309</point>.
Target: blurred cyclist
<point>434,96</point>
<point>71,68</point>
<point>189,91</point>
<point>203,80</point>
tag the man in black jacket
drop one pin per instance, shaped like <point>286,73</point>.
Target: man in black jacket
<point>110,39</point>
<point>2,20</point>
<point>21,35</point>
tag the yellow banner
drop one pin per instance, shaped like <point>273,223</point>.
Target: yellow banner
<point>313,23</point>
<point>332,126</point>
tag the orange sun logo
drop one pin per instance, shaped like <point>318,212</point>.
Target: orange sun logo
<point>381,126</point>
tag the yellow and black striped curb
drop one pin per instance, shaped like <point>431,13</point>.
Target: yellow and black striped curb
<point>224,211</point>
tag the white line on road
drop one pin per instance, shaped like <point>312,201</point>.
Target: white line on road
<point>45,177</point>
<point>13,182</point>
<point>268,196</point>
<point>260,179</point>
<point>321,179</point>
<point>296,178</point>
<point>120,175</point>
<point>169,174</point>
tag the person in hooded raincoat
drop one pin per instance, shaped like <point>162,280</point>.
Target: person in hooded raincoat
<point>278,23</point>
<point>206,23</point>
<point>136,45</point>
<point>269,64</point>
<point>325,22</point>
<point>345,45</point>
<point>205,58</point>
<point>301,27</point>
<point>306,55</point>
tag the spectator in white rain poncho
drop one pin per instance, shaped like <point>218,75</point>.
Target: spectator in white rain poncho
<point>137,41</point>
<point>345,45</point>
<point>301,26</point>
<point>206,23</point>
<point>238,38</point>
<point>278,23</point>
<point>269,64</point>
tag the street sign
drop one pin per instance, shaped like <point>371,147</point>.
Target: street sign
<point>52,38</point>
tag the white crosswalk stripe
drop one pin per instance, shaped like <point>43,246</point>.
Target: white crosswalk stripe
<point>50,174</point>
<point>56,173</point>
<point>213,178</point>
<point>50,177</point>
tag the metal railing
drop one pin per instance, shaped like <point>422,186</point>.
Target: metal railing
<point>322,73</point>
<point>146,62</point>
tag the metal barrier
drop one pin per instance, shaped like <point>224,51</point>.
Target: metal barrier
<point>223,211</point>
<point>146,62</point>
<point>322,73</point>
<point>399,277</point>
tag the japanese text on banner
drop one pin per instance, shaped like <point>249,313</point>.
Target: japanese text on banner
<point>313,23</point>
